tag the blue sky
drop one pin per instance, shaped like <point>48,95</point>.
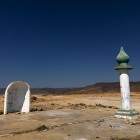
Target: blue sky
<point>67,43</point>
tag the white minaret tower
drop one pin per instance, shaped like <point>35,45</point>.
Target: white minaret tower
<point>126,111</point>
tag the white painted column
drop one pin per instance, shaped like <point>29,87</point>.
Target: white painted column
<point>125,89</point>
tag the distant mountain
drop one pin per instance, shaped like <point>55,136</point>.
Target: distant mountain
<point>108,88</point>
<point>96,88</point>
<point>2,91</point>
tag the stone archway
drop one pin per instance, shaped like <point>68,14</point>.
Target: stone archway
<point>17,97</point>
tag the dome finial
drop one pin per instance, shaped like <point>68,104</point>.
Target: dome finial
<point>123,60</point>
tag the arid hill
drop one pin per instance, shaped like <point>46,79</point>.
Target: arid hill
<point>108,88</point>
<point>96,88</point>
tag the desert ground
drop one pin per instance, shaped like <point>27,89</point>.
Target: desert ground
<point>71,117</point>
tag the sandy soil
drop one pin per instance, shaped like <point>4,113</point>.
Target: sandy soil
<point>71,117</point>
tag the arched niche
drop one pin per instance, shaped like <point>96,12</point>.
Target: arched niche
<point>17,97</point>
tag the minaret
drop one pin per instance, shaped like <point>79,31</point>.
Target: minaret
<point>126,111</point>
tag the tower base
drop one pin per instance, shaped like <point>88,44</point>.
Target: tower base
<point>127,114</point>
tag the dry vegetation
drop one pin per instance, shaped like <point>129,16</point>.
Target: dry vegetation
<point>44,102</point>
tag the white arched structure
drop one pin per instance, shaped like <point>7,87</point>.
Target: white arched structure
<point>17,97</point>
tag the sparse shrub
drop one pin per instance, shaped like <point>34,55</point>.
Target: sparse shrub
<point>42,127</point>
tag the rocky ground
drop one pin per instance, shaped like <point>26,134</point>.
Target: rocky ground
<point>71,117</point>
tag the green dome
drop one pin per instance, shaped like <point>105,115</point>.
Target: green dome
<point>122,58</point>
